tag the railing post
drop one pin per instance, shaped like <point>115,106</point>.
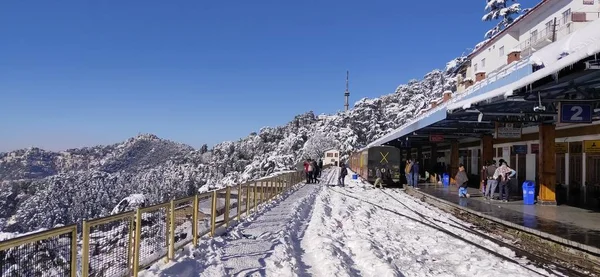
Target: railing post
<point>74,252</point>
<point>130,243</point>
<point>255,198</point>
<point>262,192</point>
<point>195,222</point>
<point>239,202</point>
<point>171,233</point>
<point>279,186</point>
<point>137,242</point>
<point>247,200</point>
<point>227,202</point>
<point>213,214</point>
<point>85,251</point>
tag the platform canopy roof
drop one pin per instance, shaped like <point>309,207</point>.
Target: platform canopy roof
<point>567,71</point>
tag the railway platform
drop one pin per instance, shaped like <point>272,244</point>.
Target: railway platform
<point>567,225</point>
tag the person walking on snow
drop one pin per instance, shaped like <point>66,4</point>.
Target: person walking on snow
<point>320,167</point>
<point>316,171</point>
<point>503,175</point>
<point>462,181</point>
<point>306,172</point>
<point>343,173</point>
<point>415,173</point>
<point>311,171</point>
<point>378,180</point>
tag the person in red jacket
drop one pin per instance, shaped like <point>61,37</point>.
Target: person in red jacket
<point>306,164</point>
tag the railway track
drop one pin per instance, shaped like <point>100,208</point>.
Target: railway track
<point>552,267</point>
<point>541,261</point>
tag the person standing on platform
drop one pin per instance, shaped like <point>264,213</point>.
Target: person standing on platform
<point>503,175</point>
<point>492,183</point>
<point>462,181</point>
<point>408,171</point>
<point>415,173</point>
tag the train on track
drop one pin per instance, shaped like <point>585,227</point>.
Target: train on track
<point>385,158</point>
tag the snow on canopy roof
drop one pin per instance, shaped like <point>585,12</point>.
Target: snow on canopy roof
<point>579,45</point>
<point>418,122</point>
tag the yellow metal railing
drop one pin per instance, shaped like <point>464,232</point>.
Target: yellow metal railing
<point>125,243</point>
<point>53,251</point>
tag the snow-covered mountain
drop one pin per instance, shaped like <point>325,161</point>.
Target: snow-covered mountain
<point>42,189</point>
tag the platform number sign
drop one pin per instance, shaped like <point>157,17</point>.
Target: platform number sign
<point>575,113</point>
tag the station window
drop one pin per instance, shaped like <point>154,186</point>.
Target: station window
<point>501,51</point>
<point>329,155</point>
<point>499,152</point>
<point>593,170</point>
<point>566,16</point>
<point>336,155</point>
<point>483,63</point>
<point>549,27</point>
<point>475,68</point>
<point>534,36</point>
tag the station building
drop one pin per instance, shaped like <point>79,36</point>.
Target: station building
<point>531,96</point>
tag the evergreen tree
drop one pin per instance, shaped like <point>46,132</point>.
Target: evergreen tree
<point>497,9</point>
<point>203,149</point>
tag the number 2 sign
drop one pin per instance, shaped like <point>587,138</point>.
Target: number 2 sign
<point>575,113</point>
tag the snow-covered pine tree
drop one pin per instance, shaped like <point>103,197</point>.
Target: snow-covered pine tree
<point>500,9</point>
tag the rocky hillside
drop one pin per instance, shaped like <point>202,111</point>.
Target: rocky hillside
<point>41,189</point>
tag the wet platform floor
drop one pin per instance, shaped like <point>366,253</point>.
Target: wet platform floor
<point>567,222</point>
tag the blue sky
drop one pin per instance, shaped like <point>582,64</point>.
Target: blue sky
<point>80,73</point>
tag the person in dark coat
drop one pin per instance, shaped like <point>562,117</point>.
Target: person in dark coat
<point>462,181</point>
<point>343,173</point>
<point>320,167</point>
<point>316,171</point>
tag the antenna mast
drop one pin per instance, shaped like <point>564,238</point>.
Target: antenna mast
<point>347,92</point>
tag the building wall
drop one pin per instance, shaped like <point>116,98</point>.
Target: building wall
<point>495,54</point>
<point>503,151</point>
<point>333,160</point>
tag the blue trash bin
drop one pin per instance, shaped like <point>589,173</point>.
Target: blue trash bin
<point>529,192</point>
<point>354,176</point>
<point>446,179</point>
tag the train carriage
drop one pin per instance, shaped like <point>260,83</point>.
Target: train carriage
<point>365,162</point>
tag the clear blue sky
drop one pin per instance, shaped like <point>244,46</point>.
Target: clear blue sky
<point>80,73</point>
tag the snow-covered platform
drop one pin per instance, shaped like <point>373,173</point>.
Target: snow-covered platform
<point>577,227</point>
<point>328,230</point>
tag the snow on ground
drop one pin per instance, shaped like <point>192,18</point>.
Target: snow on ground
<point>264,244</point>
<point>358,232</point>
<point>326,230</point>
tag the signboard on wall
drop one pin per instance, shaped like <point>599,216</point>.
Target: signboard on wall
<point>591,146</point>
<point>575,113</point>
<point>588,2</point>
<point>535,148</point>
<point>436,138</point>
<point>520,149</point>
<point>508,131</point>
<point>561,147</point>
